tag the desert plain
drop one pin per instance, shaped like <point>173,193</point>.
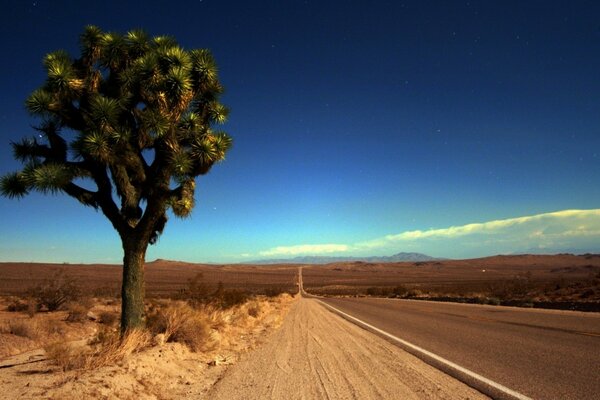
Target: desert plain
<point>261,339</point>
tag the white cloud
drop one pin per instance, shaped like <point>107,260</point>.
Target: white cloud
<point>574,228</point>
<point>494,226</point>
<point>304,249</point>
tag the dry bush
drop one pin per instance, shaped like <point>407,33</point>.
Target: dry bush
<point>254,309</point>
<point>196,292</point>
<point>55,292</point>
<point>107,348</point>
<point>17,305</point>
<point>25,328</point>
<point>108,318</point>
<point>113,348</point>
<point>64,356</point>
<point>274,291</point>
<point>28,306</point>
<point>77,312</point>
<point>180,323</point>
<point>225,299</point>
<point>53,327</point>
<point>106,292</point>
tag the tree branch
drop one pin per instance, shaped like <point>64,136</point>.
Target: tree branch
<point>84,196</point>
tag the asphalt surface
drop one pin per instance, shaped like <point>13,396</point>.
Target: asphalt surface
<point>543,354</point>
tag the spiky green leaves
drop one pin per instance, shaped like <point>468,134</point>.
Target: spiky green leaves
<point>97,145</point>
<point>217,112</point>
<point>39,102</point>
<point>178,83</point>
<point>104,111</point>
<point>48,178</point>
<point>13,185</point>
<point>62,78</point>
<point>45,178</point>
<point>27,150</point>
<point>113,50</point>
<point>208,149</point>
<point>91,42</point>
<point>204,65</point>
<point>182,201</point>
<point>138,42</point>
<point>181,164</point>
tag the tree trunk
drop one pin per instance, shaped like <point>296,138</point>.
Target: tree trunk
<point>132,292</point>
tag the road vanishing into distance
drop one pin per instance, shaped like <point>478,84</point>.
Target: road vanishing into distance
<point>542,354</point>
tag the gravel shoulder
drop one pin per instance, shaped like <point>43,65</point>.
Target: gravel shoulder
<point>317,354</point>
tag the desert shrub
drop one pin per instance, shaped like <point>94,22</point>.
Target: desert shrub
<point>254,309</point>
<point>64,356</point>
<point>77,312</point>
<point>108,318</point>
<point>53,327</point>
<point>193,332</point>
<point>379,291</point>
<point>414,293</point>
<point>108,348</point>
<point>400,291</point>
<point>225,299</point>
<point>106,292</point>
<point>55,292</point>
<point>180,323</point>
<point>494,301</point>
<point>274,291</point>
<point>17,306</point>
<point>232,298</point>
<point>104,335</point>
<point>24,328</point>
<point>29,306</point>
<point>196,291</point>
<point>587,293</point>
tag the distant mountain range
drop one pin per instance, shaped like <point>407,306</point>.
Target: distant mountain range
<point>410,257</point>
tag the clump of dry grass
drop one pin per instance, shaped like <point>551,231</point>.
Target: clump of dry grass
<point>254,308</point>
<point>64,356</point>
<point>28,306</point>
<point>77,312</point>
<point>108,318</point>
<point>205,327</point>
<point>181,323</point>
<point>29,329</point>
<point>107,348</point>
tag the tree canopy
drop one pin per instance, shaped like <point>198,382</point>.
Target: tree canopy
<point>125,128</point>
<point>140,113</point>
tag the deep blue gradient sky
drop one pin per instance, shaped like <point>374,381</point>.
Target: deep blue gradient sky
<point>351,120</point>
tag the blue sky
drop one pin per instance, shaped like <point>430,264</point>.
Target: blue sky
<point>352,122</point>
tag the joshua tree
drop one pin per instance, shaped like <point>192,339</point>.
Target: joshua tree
<point>134,116</point>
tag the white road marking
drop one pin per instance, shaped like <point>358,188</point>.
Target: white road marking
<point>416,349</point>
<point>473,375</point>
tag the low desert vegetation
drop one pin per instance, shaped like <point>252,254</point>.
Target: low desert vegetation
<point>201,319</point>
<point>54,314</point>
<point>521,290</point>
<point>201,327</point>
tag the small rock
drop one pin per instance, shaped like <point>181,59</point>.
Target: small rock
<point>159,339</point>
<point>92,316</point>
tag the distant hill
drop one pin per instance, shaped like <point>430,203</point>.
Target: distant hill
<point>400,257</point>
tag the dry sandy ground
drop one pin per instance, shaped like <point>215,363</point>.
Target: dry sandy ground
<point>318,355</point>
<point>167,371</point>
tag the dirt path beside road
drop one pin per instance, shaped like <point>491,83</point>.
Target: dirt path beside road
<point>319,355</point>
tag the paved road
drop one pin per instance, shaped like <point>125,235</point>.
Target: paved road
<point>543,354</point>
